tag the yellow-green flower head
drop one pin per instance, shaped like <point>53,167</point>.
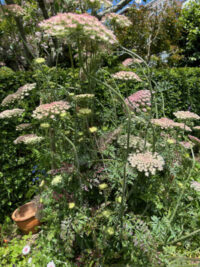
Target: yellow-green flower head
<point>93,129</point>
<point>171,141</point>
<point>110,230</point>
<point>119,199</point>
<point>41,184</point>
<point>106,213</point>
<point>39,60</point>
<point>56,180</point>
<point>103,186</point>
<point>71,205</point>
<point>71,94</point>
<point>45,125</point>
<point>84,112</point>
<point>63,114</point>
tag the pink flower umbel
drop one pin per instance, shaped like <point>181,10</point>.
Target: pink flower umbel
<point>50,110</point>
<point>26,250</point>
<point>139,101</point>
<point>126,75</point>
<point>71,25</point>
<point>51,264</point>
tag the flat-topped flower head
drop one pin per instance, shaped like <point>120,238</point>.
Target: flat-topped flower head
<point>195,185</point>
<point>13,9</point>
<point>164,123</point>
<point>19,94</point>
<point>135,142</point>
<point>182,126</point>
<point>186,145</point>
<point>186,115</point>
<point>146,162</point>
<point>24,90</point>
<point>139,101</point>
<point>9,99</point>
<point>196,128</point>
<point>71,25</point>
<point>119,20</point>
<point>28,139</point>
<point>126,75</point>
<point>11,113</point>
<point>50,110</point>
<point>194,139</point>
<point>23,126</point>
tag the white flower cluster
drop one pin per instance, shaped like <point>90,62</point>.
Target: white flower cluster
<point>23,126</point>
<point>50,110</point>
<point>126,75</point>
<point>134,142</point>
<point>20,94</point>
<point>56,180</point>
<point>184,115</point>
<point>9,113</point>
<point>28,139</point>
<point>146,162</point>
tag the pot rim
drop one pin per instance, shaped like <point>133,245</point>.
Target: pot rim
<point>24,218</point>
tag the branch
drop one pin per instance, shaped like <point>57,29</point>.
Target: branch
<point>115,8</point>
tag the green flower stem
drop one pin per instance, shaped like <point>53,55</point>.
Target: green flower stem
<point>77,166</point>
<point>182,192</point>
<point>184,237</point>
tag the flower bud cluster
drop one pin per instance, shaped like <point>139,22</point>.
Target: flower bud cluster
<point>126,75</point>
<point>119,20</point>
<point>28,139</point>
<point>146,162</point>
<point>139,101</point>
<point>184,115</point>
<point>83,25</point>
<point>195,185</point>
<point>9,113</point>
<point>186,145</point>
<point>50,110</point>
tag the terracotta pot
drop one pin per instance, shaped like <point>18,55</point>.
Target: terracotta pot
<point>24,217</point>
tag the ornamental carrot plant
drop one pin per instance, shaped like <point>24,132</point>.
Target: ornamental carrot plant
<point>117,175</point>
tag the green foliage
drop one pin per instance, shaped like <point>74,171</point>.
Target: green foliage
<point>190,37</point>
<point>180,88</point>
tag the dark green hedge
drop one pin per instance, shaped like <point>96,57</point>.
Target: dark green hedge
<point>181,88</point>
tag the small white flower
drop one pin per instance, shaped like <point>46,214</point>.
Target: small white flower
<point>51,264</point>
<point>26,250</point>
<point>29,260</point>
